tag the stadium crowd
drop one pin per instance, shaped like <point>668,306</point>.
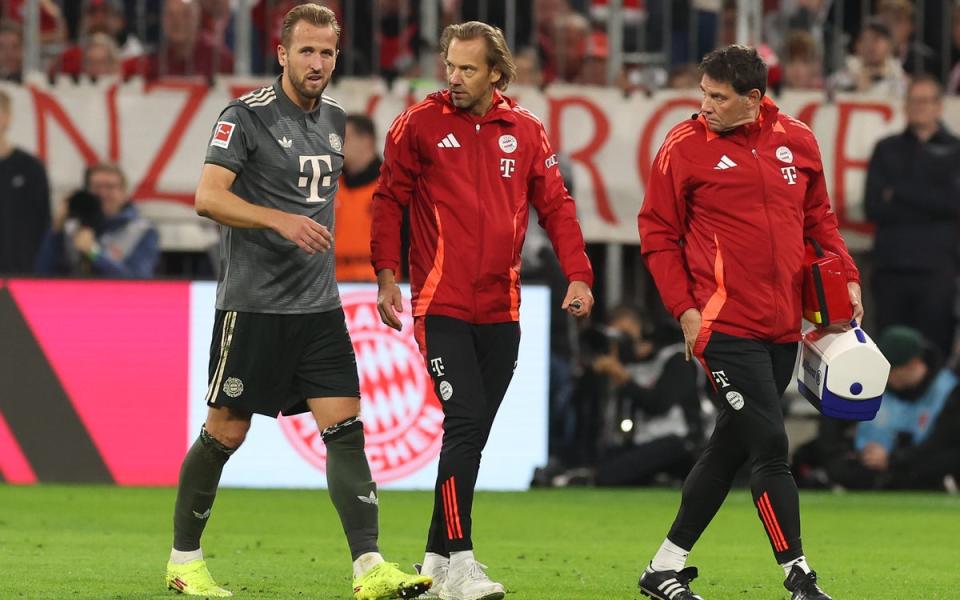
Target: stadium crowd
<point>625,407</point>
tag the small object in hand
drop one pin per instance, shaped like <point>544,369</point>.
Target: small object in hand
<point>576,304</point>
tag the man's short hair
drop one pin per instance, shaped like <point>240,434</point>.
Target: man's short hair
<point>103,167</point>
<point>319,16</point>
<point>920,78</point>
<point>738,65</point>
<point>363,125</point>
<point>878,26</point>
<point>498,53</point>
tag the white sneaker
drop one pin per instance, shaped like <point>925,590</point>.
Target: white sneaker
<point>466,580</point>
<point>435,566</point>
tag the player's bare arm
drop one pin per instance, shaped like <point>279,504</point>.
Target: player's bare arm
<point>389,299</point>
<point>214,200</point>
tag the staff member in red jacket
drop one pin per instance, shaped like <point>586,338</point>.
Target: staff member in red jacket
<point>732,194</point>
<point>467,161</point>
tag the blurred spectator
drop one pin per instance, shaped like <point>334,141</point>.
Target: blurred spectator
<point>24,201</point>
<point>593,69</point>
<point>99,232</point>
<point>528,68</point>
<point>634,15</point>
<point>802,67</point>
<point>913,196</point>
<point>101,57</point>
<point>215,18</point>
<point>652,419</point>
<point>397,38</point>
<point>101,18</point>
<point>571,34</point>
<point>185,50</point>
<point>915,57</point>
<point>361,167</point>
<point>873,69</point>
<point>684,77</point>
<point>700,19</point>
<point>914,441</point>
<point>53,30</point>
<point>11,52</point>
<point>547,15</point>
<point>810,17</point>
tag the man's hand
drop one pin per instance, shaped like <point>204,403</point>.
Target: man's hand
<point>855,301</point>
<point>690,322</point>
<point>579,299</point>
<point>389,299</point>
<point>85,240</point>
<point>310,236</point>
<point>875,457</point>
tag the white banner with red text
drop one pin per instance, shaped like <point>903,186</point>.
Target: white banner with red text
<point>159,132</point>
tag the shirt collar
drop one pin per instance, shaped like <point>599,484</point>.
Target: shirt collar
<point>288,106</point>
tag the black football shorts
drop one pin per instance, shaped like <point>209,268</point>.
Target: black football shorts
<point>272,363</point>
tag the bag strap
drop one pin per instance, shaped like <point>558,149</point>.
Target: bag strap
<point>817,248</point>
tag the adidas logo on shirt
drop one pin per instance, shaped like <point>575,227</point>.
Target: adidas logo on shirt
<point>725,163</point>
<point>449,142</point>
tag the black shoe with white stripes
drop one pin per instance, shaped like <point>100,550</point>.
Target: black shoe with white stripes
<point>803,586</point>
<point>668,585</point>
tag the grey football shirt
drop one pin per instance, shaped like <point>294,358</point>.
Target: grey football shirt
<point>289,160</point>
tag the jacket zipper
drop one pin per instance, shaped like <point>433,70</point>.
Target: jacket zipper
<point>773,243</point>
<point>480,229</point>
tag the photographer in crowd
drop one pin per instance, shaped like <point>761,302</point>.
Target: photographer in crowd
<point>98,232</point>
<point>638,405</point>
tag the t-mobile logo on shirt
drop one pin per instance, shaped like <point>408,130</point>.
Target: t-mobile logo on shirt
<point>790,174</point>
<point>507,166</point>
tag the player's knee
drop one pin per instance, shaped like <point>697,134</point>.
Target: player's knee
<point>228,435</point>
<point>769,445</point>
<point>349,431</point>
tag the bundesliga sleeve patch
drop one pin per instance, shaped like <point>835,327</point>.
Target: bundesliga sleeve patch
<point>222,135</point>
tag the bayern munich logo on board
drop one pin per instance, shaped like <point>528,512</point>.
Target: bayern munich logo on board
<point>402,418</point>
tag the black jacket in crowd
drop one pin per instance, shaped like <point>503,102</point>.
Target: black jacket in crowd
<point>913,197</point>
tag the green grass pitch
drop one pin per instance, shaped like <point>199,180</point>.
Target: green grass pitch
<point>80,542</point>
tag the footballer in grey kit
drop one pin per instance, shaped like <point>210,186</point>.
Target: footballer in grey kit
<point>280,343</point>
<point>290,160</point>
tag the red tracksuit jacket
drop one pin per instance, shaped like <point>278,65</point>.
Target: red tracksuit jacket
<point>468,181</point>
<point>724,219</point>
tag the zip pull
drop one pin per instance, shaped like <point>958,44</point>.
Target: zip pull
<point>755,155</point>
<point>478,127</point>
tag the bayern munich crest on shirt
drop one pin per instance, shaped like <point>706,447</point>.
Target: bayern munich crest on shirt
<point>335,142</point>
<point>402,418</point>
<point>508,143</point>
<point>784,154</point>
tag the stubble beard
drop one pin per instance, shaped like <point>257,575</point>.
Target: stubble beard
<point>300,84</point>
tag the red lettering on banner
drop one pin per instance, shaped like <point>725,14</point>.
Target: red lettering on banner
<point>645,151</point>
<point>372,104</point>
<point>46,106</point>
<point>147,188</point>
<point>806,113</point>
<point>843,163</point>
<point>585,155</point>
